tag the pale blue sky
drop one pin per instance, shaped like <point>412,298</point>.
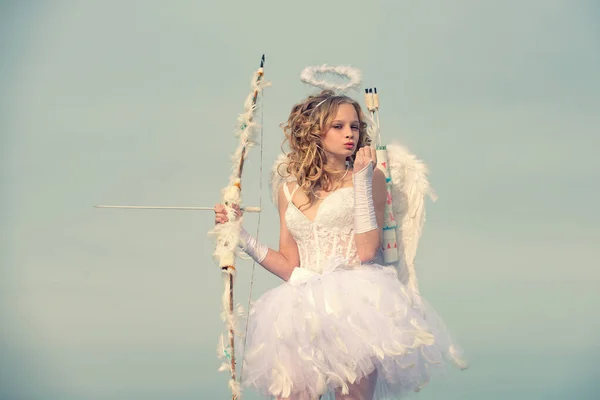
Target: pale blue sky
<point>134,102</point>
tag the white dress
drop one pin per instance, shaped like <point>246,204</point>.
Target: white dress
<point>337,320</point>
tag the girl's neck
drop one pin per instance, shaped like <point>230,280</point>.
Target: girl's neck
<point>336,165</point>
<point>335,182</point>
<point>337,172</point>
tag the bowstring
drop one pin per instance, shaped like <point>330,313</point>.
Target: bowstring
<point>260,185</point>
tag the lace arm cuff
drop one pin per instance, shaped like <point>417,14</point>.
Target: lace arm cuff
<point>251,246</point>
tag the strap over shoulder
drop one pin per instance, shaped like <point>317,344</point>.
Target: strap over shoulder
<point>286,191</point>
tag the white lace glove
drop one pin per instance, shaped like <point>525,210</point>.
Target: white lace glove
<point>365,219</point>
<point>251,246</point>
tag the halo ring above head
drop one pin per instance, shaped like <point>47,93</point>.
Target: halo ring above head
<point>308,75</point>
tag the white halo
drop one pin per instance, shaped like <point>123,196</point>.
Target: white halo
<point>308,75</point>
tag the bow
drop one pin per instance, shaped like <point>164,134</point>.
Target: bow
<point>227,236</point>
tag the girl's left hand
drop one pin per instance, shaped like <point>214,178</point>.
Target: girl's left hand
<point>364,156</point>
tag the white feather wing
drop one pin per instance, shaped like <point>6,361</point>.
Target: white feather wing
<point>409,188</point>
<point>278,177</point>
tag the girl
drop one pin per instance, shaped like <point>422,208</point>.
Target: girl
<point>342,324</point>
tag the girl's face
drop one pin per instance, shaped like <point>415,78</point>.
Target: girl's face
<point>341,138</point>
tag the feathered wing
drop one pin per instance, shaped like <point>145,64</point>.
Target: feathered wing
<point>409,188</point>
<point>278,177</point>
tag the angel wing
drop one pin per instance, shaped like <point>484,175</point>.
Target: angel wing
<point>409,187</point>
<point>279,177</point>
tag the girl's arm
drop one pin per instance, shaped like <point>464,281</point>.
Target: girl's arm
<point>368,243</point>
<point>280,263</point>
<point>370,195</point>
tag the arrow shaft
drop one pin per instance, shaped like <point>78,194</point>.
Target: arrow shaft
<point>245,209</point>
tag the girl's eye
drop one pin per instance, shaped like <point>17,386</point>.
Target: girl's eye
<point>355,128</point>
<point>337,127</point>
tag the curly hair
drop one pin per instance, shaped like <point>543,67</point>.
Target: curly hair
<point>308,121</point>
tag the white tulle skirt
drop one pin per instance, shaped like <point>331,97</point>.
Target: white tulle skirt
<point>318,333</point>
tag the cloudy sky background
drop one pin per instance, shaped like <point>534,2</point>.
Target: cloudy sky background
<point>134,102</point>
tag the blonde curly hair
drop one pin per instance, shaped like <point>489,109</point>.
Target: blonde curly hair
<point>304,129</point>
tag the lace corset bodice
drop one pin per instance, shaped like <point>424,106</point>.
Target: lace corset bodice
<point>330,235</point>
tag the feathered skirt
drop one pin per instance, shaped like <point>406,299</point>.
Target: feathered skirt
<point>318,333</point>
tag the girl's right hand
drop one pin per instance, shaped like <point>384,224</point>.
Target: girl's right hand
<point>364,156</point>
<point>221,213</point>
